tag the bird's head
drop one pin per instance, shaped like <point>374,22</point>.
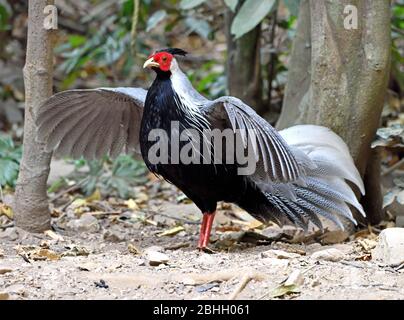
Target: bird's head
<point>164,60</point>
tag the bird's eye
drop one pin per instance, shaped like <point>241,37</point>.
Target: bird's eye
<point>164,58</point>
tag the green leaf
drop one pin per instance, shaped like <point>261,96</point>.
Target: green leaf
<point>189,4</point>
<point>283,290</point>
<point>293,6</point>
<point>77,40</point>
<point>6,143</point>
<point>251,13</point>
<point>4,16</point>
<point>8,172</point>
<point>201,27</point>
<point>155,19</point>
<point>232,4</point>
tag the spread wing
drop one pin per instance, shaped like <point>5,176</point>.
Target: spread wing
<point>275,160</point>
<point>92,122</point>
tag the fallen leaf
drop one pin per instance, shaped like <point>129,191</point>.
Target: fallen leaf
<point>283,290</point>
<point>79,203</point>
<point>37,254</point>
<point>96,196</point>
<point>51,234</point>
<point>367,244</point>
<point>141,198</point>
<point>131,204</point>
<point>255,224</point>
<point>172,231</point>
<point>294,279</point>
<point>75,250</point>
<point>6,210</point>
<point>133,249</point>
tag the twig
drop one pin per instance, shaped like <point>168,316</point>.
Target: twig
<point>401,266</point>
<point>8,225</point>
<point>397,30</point>
<point>177,246</point>
<point>393,167</point>
<point>243,283</point>
<point>101,213</point>
<point>68,190</point>
<point>133,33</point>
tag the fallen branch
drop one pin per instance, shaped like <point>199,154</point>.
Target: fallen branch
<point>243,283</point>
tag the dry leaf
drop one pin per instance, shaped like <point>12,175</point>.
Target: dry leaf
<point>96,196</point>
<point>367,244</point>
<point>283,290</point>
<point>255,224</point>
<point>37,254</point>
<point>74,250</point>
<point>133,249</point>
<point>51,234</point>
<point>141,198</point>
<point>6,210</point>
<point>131,204</point>
<point>79,203</point>
<point>172,231</point>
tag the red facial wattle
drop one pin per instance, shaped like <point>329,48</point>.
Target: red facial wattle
<point>164,60</point>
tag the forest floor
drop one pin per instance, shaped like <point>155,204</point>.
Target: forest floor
<point>145,248</point>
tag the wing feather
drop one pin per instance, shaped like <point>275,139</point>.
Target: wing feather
<point>276,161</point>
<point>92,122</point>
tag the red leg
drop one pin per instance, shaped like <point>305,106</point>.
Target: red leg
<point>206,229</point>
<point>202,231</point>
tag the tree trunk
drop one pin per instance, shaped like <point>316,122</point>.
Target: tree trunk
<point>31,204</point>
<point>343,84</point>
<point>299,77</point>
<point>244,65</point>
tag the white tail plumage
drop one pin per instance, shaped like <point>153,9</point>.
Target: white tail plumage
<point>327,163</point>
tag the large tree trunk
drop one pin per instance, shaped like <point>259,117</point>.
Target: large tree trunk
<point>31,204</point>
<point>244,65</point>
<point>342,86</point>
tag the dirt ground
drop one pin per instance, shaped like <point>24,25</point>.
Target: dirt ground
<point>146,249</point>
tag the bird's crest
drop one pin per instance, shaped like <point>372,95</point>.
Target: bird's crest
<point>174,51</point>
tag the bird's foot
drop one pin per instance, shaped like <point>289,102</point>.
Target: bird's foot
<point>206,250</point>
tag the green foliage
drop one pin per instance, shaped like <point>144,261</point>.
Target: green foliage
<point>293,6</point>
<point>10,156</point>
<point>232,4</point>
<point>155,19</point>
<point>200,26</point>
<point>111,177</point>
<point>5,13</point>
<point>251,13</point>
<point>190,4</point>
<point>208,81</point>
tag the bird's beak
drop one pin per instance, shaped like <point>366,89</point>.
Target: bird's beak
<point>150,63</point>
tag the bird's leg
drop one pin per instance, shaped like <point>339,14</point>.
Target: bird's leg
<point>202,231</point>
<point>206,228</point>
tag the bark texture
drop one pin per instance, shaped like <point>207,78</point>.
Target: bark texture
<point>31,204</point>
<point>338,77</point>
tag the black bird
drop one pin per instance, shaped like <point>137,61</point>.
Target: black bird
<point>299,173</point>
